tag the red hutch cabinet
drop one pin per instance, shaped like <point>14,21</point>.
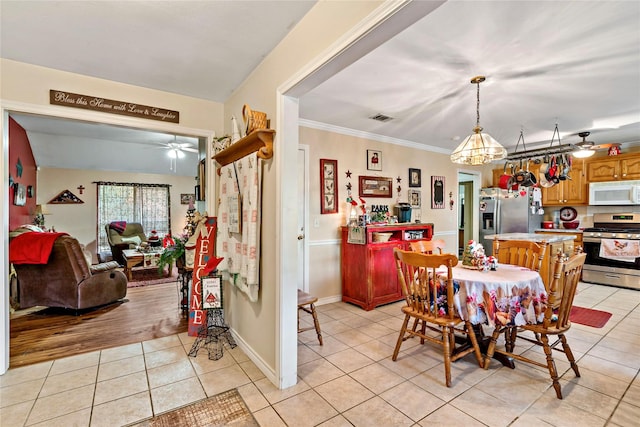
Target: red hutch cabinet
<point>369,276</point>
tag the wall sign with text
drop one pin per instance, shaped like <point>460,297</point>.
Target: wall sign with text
<point>123,108</point>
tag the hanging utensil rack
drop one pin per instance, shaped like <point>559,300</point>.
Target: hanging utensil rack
<point>541,152</point>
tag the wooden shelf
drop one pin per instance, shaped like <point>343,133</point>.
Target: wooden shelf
<point>260,140</point>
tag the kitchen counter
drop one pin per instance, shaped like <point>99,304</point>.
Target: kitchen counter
<point>558,230</point>
<point>549,238</point>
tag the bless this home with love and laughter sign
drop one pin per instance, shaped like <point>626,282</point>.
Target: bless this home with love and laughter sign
<point>95,103</point>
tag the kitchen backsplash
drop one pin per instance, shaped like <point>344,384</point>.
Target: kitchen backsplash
<point>585,213</point>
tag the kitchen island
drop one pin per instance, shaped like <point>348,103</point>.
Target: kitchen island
<point>559,242</point>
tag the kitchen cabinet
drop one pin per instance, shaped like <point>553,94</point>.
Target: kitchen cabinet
<point>615,168</point>
<point>369,275</point>
<point>572,191</point>
<point>568,244</point>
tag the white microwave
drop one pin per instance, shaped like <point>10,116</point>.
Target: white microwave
<point>614,193</point>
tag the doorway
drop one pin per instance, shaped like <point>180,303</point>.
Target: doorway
<point>205,137</point>
<point>468,195</point>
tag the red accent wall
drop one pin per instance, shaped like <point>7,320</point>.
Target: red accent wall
<point>20,148</point>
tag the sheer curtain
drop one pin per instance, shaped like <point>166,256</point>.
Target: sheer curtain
<point>148,204</point>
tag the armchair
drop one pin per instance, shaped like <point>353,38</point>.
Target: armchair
<point>129,238</point>
<point>68,281</point>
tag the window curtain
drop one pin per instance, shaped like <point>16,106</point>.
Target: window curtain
<point>147,204</point>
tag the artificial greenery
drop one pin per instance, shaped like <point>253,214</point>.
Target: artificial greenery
<point>172,254</point>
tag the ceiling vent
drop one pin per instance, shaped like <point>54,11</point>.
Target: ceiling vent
<point>381,118</point>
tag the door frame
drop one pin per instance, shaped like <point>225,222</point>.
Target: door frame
<point>7,107</point>
<point>304,263</point>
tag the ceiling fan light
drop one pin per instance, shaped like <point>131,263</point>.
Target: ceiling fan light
<point>478,149</point>
<point>583,153</point>
<point>172,154</point>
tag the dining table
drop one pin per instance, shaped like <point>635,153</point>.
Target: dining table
<point>508,295</point>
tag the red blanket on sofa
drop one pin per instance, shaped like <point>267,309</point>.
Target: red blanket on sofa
<point>32,248</point>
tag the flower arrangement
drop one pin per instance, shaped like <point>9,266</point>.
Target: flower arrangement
<point>173,252</point>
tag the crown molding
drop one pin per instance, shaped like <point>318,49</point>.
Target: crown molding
<point>372,136</point>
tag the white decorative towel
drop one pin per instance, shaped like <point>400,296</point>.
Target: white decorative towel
<point>620,249</point>
<point>241,250</point>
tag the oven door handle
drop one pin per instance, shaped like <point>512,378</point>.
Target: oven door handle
<point>591,239</point>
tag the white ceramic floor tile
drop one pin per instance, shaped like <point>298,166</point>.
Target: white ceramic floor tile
<point>75,362</point>
<point>344,393</point>
<point>60,404</point>
<point>120,387</point>
<point>175,395</point>
<point>25,373</point>
<point>376,411</point>
<point>69,380</point>
<point>124,411</point>
<point>20,392</point>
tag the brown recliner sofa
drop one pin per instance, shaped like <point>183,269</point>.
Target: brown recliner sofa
<point>67,281</point>
<point>118,241</point>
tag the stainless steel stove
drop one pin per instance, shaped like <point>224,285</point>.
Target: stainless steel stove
<point>612,250</point>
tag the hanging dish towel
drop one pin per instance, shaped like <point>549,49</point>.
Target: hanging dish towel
<point>620,249</point>
<point>241,251</point>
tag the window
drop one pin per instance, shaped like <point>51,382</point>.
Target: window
<point>148,204</point>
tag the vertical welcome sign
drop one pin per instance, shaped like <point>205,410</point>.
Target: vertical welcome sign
<point>205,247</point>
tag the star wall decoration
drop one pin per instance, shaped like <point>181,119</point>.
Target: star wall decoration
<point>348,173</point>
<point>398,179</point>
<point>349,186</point>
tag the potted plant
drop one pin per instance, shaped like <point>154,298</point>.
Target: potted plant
<point>173,252</point>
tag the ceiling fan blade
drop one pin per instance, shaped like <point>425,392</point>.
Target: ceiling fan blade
<point>189,149</point>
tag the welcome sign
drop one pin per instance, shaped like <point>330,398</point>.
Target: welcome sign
<point>205,246</point>
<point>94,103</point>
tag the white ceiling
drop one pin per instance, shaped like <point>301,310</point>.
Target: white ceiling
<point>576,64</point>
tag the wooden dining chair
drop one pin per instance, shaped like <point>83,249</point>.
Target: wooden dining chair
<point>427,246</point>
<point>520,252</point>
<point>563,287</point>
<point>431,302</point>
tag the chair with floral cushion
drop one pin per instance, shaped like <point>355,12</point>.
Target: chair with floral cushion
<point>556,321</point>
<point>431,302</point>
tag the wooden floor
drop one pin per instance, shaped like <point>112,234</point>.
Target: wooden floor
<point>147,312</point>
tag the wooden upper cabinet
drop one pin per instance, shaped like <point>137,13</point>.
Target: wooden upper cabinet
<point>615,168</point>
<point>571,191</point>
<point>630,167</point>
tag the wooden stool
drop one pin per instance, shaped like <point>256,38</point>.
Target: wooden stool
<point>305,299</point>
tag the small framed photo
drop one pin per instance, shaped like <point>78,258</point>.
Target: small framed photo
<point>414,198</point>
<point>186,198</point>
<point>212,292</point>
<point>437,192</point>
<point>328,186</point>
<point>19,195</point>
<point>415,177</point>
<point>374,160</point>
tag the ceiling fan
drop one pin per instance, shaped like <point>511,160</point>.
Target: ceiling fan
<point>588,148</point>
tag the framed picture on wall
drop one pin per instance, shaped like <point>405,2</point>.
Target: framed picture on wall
<point>374,160</point>
<point>437,192</point>
<point>19,195</point>
<point>415,179</point>
<point>414,198</point>
<point>375,186</point>
<point>328,186</point>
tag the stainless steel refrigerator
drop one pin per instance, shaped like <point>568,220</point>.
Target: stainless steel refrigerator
<point>503,212</point>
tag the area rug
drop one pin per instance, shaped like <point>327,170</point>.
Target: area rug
<point>589,317</point>
<point>150,276</point>
<point>224,409</point>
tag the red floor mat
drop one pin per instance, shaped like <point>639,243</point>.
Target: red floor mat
<point>589,317</point>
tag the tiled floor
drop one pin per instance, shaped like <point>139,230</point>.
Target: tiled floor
<point>351,380</point>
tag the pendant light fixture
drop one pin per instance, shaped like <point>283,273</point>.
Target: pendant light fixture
<point>478,148</point>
